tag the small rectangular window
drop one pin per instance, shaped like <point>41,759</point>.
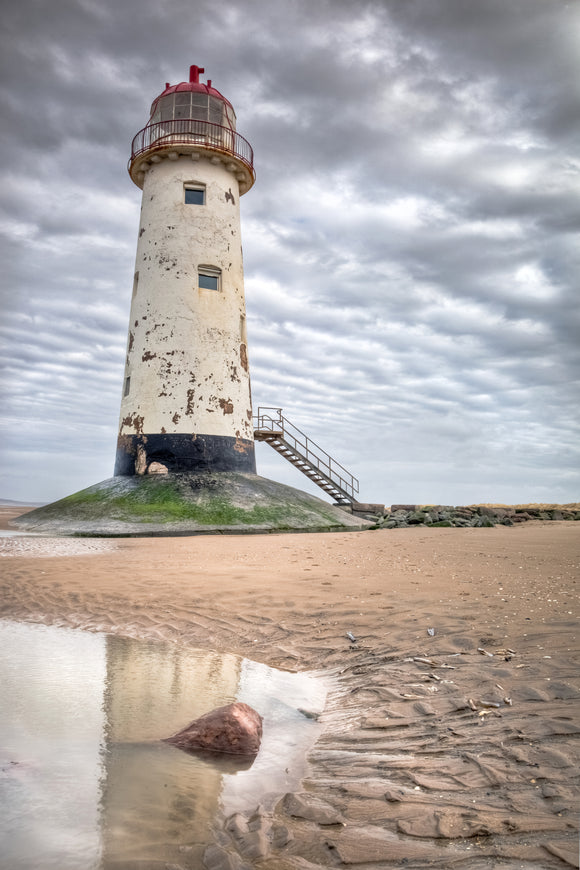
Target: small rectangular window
<point>127,387</point>
<point>209,282</point>
<point>195,196</point>
<point>209,278</point>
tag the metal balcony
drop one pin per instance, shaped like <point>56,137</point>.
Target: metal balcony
<point>190,133</point>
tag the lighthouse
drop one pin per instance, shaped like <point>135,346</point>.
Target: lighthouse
<point>185,460</point>
<point>186,403</point>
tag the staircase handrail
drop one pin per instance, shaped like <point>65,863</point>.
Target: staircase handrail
<point>348,482</point>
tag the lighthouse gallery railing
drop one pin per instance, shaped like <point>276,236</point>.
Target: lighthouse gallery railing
<point>189,131</point>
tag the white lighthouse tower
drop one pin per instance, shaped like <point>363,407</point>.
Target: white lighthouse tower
<point>186,402</point>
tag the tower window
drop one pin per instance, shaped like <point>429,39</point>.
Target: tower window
<point>195,195</point>
<point>209,278</point>
<point>127,387</point>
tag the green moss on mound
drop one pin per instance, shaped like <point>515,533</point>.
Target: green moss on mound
<point>195,501</point>
<point>163,501</point>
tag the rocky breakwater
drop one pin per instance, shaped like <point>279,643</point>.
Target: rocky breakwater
<point>476,516</point>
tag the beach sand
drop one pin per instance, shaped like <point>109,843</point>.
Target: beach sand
<point>453,748</point>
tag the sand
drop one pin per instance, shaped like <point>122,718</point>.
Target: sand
<point>458,747</point>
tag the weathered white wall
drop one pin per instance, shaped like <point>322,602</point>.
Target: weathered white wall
<point>187,354</point>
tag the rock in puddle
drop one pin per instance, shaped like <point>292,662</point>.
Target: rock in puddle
<point>234,729</point>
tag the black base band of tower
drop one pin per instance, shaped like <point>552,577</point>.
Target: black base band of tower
<point>135,453</point>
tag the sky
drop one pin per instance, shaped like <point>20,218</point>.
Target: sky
<point>411,245</point>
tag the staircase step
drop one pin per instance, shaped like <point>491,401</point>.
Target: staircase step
<point>276,440</point>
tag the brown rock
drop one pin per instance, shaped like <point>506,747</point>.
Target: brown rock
<point>235,729</point>
<point>157,468</point>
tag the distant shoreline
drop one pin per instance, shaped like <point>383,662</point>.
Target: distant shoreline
<point>10,502</point>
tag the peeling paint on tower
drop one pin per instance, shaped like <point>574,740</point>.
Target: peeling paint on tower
<point>227,406</point>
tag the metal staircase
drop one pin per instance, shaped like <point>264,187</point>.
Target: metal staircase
<point>291,443</point>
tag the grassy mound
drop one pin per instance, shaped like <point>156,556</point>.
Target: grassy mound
<point>186,503</point>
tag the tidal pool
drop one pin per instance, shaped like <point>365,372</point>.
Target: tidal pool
<point>85,781</point>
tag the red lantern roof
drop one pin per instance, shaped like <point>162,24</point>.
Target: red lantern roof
<point>193,84</point>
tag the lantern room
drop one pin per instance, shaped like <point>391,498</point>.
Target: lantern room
<point>193,100</point>
<point>192,118</point>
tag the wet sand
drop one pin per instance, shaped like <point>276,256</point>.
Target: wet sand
<point>457,749</point>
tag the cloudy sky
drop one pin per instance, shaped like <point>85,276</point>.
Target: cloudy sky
<point>411,244</point>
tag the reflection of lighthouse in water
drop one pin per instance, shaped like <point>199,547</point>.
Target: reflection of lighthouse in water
<point>186,393</point>
<point>155,798</point>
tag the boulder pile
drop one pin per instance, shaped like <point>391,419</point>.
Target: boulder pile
<point>403,516</point>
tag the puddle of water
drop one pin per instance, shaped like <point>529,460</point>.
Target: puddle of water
<point>85,781</point>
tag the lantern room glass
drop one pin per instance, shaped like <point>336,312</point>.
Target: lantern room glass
<point>184,105</point>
